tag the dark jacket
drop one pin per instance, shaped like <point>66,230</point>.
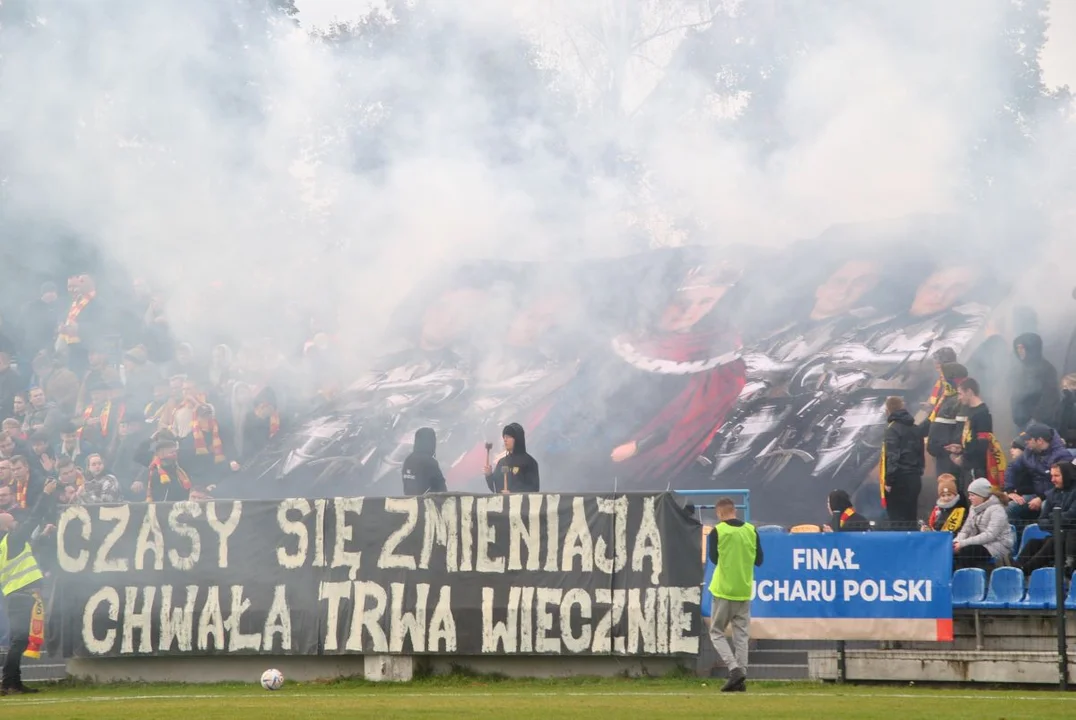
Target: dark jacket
<point>1029,474</point>
<point>853,523</point>
<point>1066,418</point>
<point>945,430</point>
<point>421,471</point>
<point>904,456</point>
<point>711,543</point>
<point>1063,498</point>
<point>1036,392</point>
<point>519,468</point>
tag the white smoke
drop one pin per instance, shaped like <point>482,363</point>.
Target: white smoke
<point>193,158</point>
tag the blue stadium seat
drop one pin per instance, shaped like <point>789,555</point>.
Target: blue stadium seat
<point>1070,599</point>
<point>1041,591</point>
<point>1015,538</point>
<point>771,529</point>
<point>1006,590</point>
<point>707,599</point>
<point>969,586</point>
<point>1031,532</point>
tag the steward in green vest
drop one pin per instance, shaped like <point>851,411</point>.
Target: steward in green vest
<point>734,548</point>
<point>20,580</point>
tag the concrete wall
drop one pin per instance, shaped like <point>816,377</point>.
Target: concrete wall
<point>999,647</point>
<point>399,668</point>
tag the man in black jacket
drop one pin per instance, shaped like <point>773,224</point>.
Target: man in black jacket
<point>421,471</point>
<point>1036,393</point>
<point>902,465</point>
<point>516,471</point>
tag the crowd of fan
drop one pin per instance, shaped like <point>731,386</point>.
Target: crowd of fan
<point>100,398</point>
<point>983,501</point>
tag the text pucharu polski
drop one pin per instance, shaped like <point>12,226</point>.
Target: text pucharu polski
<point>831,561</point>
<point>574,574</point>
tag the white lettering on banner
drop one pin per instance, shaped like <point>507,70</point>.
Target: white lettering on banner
<point>368,619</point>
<point>140,620</point>
<point>443,624</point>
<point>576,643</point>
<point>466,536</point>
<point>333,593</point>
<point>648,542</point>
<point>105,596</point>
<point>795,590</point>
<point>824,559</point>
<point>440,528</point>
<point>286,560</point>
<point>211,621</point>
<point>403,623</point>
<point>552,620</point>
<point>319,532</point>
<point>194,510</point>
<point>577,541</point>
<point>223,529</point>
<point>618,508</point>
<point>238,640</point>
<point>73,563</point>
<point>680,616</point>
<point>429,632</point>
<point>552,531</point>
<point>121,514</point>
<point>278,622</point>
<point>528,533</point>
<point>487,535</point>
<point>344,533</point>
<point>177,624</point>
<point>902,590</point>
<point>150,539</point>
<point>389,558</point>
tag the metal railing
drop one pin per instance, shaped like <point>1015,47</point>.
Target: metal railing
<point>744,506</point>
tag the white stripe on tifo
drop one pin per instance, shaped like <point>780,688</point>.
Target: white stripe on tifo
<point>1045,696</point>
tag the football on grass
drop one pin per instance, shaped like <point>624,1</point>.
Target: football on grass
<point>272,679</point>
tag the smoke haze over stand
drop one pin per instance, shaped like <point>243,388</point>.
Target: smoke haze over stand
<point>192,151</point>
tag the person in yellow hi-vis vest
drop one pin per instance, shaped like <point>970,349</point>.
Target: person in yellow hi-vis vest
<point>20,581</point>
<point>735,550</point>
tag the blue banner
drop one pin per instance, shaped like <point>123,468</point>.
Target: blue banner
<point>854,586</point>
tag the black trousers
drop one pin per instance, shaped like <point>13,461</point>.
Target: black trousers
<point>902,502</point>
<point>1040,553</point>
<point>20,610</point>
<point>972,556</point>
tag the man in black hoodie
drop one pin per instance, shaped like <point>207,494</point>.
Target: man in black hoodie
<point>421,471</point>
<point>1036,393</point>
<point>516,471</point>
<point>902,465</point>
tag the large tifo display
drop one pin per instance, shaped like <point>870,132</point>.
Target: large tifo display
<point>854,586</point>
<point>453,574</point>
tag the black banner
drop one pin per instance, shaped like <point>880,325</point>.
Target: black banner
<point>444,574</point>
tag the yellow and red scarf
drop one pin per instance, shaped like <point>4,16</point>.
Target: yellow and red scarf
<point>995,455</point>
<point>199,441</point>
<point>77,306</point>
<point>106,411</point>
<point>165,478</point>
<point>37,628</point>
<point>152,414</point>
<point>881,472</point>
<point>20,493</point>
<point>274,423</point>
<point>848,512</point>
<point>942,392</point>
<point>952,523</point>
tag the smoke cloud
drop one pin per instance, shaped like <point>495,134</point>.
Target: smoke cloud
<point>200,140</point>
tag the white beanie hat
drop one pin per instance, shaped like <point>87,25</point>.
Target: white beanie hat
<point>981,487</point>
